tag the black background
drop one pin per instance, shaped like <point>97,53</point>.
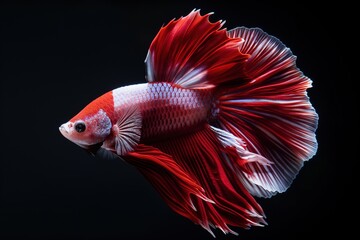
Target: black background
<point>57,58</point>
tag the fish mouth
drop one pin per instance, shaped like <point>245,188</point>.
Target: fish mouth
<point>65,129</point>
<point>92,148</point>
<point>64,132</point>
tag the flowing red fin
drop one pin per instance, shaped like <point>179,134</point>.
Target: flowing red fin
<point>271,112</point>
<point>204,158</point>
<point>175,185</point>
<point>194,53</point>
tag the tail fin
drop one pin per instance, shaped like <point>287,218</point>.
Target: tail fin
<point>271,112</point>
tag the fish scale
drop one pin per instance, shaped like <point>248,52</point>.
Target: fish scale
<point>166,109</point>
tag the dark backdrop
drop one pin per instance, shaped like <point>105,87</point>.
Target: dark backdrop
<point>57,58</point>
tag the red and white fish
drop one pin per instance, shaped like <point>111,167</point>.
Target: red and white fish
<point>224,117</point>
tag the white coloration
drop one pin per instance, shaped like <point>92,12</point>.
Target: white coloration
<point>207,228</point>
<point>64,128</point>
<point>192,205</point>
<point>124,95</point>
<point>254,189</point>
<point>193,78</point>
<point>128,130</point>
<point>267,180</point>
<point>149,67</point>
<point>99,125</point>
<point>304,128</point>
<point>229,140</point>
<point>264,183</point>
<point>103,124</point>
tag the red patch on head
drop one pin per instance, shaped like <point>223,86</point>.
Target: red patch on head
<point>104,102</point>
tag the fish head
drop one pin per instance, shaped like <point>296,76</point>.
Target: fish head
<point>88,128</point>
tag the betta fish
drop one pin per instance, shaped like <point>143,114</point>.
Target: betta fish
<point>223,118</point>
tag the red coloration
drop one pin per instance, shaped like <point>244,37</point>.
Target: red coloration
<point>166,109</point>
<point>225,117</point>
<point>192,52</point>
<point>202,156</point>
<point>177,111</point>
<point>271,112</point>
<point>165,173</point>
<point>261,99</point>
<point>104,102</point>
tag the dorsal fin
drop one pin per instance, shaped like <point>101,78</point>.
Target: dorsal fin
<point>194,53</point>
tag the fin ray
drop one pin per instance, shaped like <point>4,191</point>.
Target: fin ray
<point>271,112</point>
<point>194,53</point>
<point>175,185</point>
<point>202,156</point>
<point>127,130</point>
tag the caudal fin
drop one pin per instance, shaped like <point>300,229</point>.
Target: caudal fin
<point>271,112</point>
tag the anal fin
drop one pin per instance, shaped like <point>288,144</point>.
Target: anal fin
<point>176,186</point>
<point>204,158</point>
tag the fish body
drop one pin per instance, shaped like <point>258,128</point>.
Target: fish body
<point>224,117</point>
<point>166,110</point>
<point>157,111</point>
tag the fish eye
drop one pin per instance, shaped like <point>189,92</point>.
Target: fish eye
<point>80,127</point>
